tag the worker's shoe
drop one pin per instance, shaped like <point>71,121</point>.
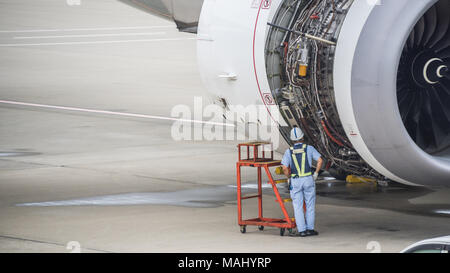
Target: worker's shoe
<point>311,232</point>
<point>298,234</point>
<point>303,234</point>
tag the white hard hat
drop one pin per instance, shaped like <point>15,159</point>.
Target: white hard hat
<point>296,134</point>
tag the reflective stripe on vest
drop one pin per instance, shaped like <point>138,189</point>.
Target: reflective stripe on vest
<point>300,171</point>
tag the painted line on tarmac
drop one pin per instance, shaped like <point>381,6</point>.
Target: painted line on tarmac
<point>84,29</point>
<point>113,113</point>
<point>96,42</point>
<point>91,35</point>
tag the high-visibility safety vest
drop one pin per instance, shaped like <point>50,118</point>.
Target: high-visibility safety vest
<point>302,166</point>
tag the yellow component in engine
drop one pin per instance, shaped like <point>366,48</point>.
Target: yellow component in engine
<point>359,179</point>
<point>302,70</point>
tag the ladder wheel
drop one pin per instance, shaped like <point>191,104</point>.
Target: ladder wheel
<point>243,229</point>
<point>282,230</point>
<point>261,228</point>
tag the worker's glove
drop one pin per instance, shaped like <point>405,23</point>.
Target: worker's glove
<point>315,176</point>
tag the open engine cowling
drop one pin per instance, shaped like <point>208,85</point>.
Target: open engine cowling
<point>375,104</point>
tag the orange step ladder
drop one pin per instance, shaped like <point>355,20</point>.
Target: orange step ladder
<point>260,163</point>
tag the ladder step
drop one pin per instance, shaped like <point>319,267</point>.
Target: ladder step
<point>279,181</point>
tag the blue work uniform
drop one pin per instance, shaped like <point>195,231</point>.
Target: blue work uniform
<point>303,187</point>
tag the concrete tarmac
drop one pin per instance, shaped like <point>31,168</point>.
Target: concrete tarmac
<point>120,183</point>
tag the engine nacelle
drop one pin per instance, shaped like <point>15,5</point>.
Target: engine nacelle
<point>377,103</point>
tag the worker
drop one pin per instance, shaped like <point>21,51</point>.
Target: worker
<point>296,165</point>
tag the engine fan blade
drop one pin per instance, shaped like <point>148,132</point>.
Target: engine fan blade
<point>410,42</point>
<point>444,53</point>
<point>442,110</point>
<point>443,39</point>
<point>430,25</point>
<point>443,21</point>
<point>445,85</point>
<point>406,105</point>
<point>419,30</point>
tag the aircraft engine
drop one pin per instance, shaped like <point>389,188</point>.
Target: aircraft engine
<point>367,80</point>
